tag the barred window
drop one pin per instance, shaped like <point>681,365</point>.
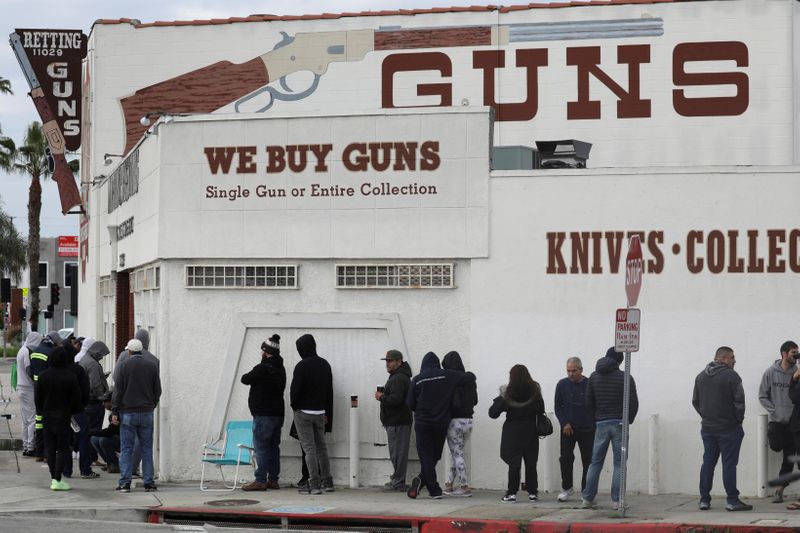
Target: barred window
<point>145,279</point>
<point>241,276</point>
<point>398,276</point>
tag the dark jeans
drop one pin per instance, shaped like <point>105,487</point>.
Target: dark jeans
<point>133,427</point>
<point>267,442</point>
<point>716,444</point>
<point>529,454</point>
<point>107,448</point>
<point>57,437</point>
<point>430,443</point>
<point>585,441</point>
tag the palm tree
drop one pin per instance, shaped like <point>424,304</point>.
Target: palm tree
<point>31,159</point>
<point>6,144</point>
<point>13,249</point>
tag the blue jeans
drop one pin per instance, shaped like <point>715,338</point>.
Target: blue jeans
<point>267,442</point>
<point>132,427</point>
<point>607,431</point>
<point>714,445</point>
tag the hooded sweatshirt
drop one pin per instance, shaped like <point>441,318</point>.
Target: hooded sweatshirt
<point>773,393</point>
<point>719,398</point>
<point>604,394</point>
<point>57,392</point>
<point>267,382</point>
<point>394,411</point>
<point>85,345</point>
<point>98,385</point>
<point>32,341</point>
<point>312,380</point>
<point>465,397</point>
<point>143,336</point>
<point>431,392</point>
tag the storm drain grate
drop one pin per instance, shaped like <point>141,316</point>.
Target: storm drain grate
<point>231,503</point>
<point>282,523</point>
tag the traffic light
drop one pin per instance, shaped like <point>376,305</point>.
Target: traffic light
<point>23,314</point>
<point>49,312</point>
<point>54,294</point>
<point>5,290</point>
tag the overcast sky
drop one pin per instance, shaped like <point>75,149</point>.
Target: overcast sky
<point>17,111</point>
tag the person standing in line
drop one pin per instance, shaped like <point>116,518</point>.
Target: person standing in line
<point>98,386</point>
<point>430,397</point>
<point>773,393</point>
<point>144,337</point>
<point>27,405</point>
<point>522,402</point>
<point>604,398</point>
<point>136,394</point>
<point>718,398</point>
<point>267,381</point>
<point>396,417</point>
<point>80,438</point>
<point>39,363</point>
<point>311,398</point>
<point>577,425</point>
<point>465,398</point>
<point>57,398</point>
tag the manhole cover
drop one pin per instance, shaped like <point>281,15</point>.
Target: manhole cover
<point>231,503</point>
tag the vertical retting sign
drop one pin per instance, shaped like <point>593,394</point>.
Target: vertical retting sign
<point>51,61</point>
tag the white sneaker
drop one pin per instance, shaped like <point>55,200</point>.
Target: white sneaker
<point>565,494</point>
<point>586,504</point>
<point>615,505</point>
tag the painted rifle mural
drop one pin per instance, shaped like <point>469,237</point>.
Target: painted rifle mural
<point>209,88</point>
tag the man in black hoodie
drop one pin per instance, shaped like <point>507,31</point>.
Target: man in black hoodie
<point>311,398</point>
<point>396,417</point>
<point>430,397</point>
<point>267,382</point>
<point>57,397</point>
<point>604,396</point>
<point>719,400</point>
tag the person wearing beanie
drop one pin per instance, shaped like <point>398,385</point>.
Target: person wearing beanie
<point>311,399</point>
<point>137,389</point>
<point>604,397</point>
<point>267,381</point>
<point>396,417</point>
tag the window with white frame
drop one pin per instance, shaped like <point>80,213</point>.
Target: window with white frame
<point>42,274</point>
<point>68,271</point>
<point>146,279</point>
<point>395,276</point>
<point>241,276</point>
<point>107,286</point>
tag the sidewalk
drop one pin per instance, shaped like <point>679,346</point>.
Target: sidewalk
<point>29,492</point>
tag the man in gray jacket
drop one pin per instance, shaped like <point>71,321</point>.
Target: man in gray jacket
<point>98,385</point>
<point>719,400</point>
<point>773,393</point>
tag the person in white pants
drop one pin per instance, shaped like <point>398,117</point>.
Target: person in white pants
<point>27,408</point>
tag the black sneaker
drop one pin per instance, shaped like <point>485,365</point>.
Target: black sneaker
<point>509,498</point>
<point>150,487</point>
<point>303,483</point>
<point>327,484</point>
<point>413,490</point>
<point>91,475</point>
<point>738,505</point>
<point>124,488</point>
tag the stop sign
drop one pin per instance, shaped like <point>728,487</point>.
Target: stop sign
<point>633,270</point>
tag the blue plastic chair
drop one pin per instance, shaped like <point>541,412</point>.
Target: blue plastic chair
<point>237,449</point>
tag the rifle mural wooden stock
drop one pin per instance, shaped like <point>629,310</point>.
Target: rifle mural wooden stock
<point>209,88</point>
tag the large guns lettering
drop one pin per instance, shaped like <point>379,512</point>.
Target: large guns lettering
<point>62,173</point>
<point>209,88</point>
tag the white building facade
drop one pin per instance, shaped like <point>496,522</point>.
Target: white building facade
<point>341,185</point>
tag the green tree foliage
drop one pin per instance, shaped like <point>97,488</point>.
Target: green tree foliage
<point>13,249</point>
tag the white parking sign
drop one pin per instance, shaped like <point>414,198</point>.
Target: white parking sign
<point>626,331</point>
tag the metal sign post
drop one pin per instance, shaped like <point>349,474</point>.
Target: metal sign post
<point>634,268</point>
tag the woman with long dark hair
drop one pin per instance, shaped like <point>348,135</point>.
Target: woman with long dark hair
<point>521,400</point>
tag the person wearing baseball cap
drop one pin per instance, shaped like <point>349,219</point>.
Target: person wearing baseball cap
<point>396,417</point>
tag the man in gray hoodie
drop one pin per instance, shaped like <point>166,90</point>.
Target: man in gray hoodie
<point>98,385</point>
<point>773,393</point>
<point>719,400</point>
